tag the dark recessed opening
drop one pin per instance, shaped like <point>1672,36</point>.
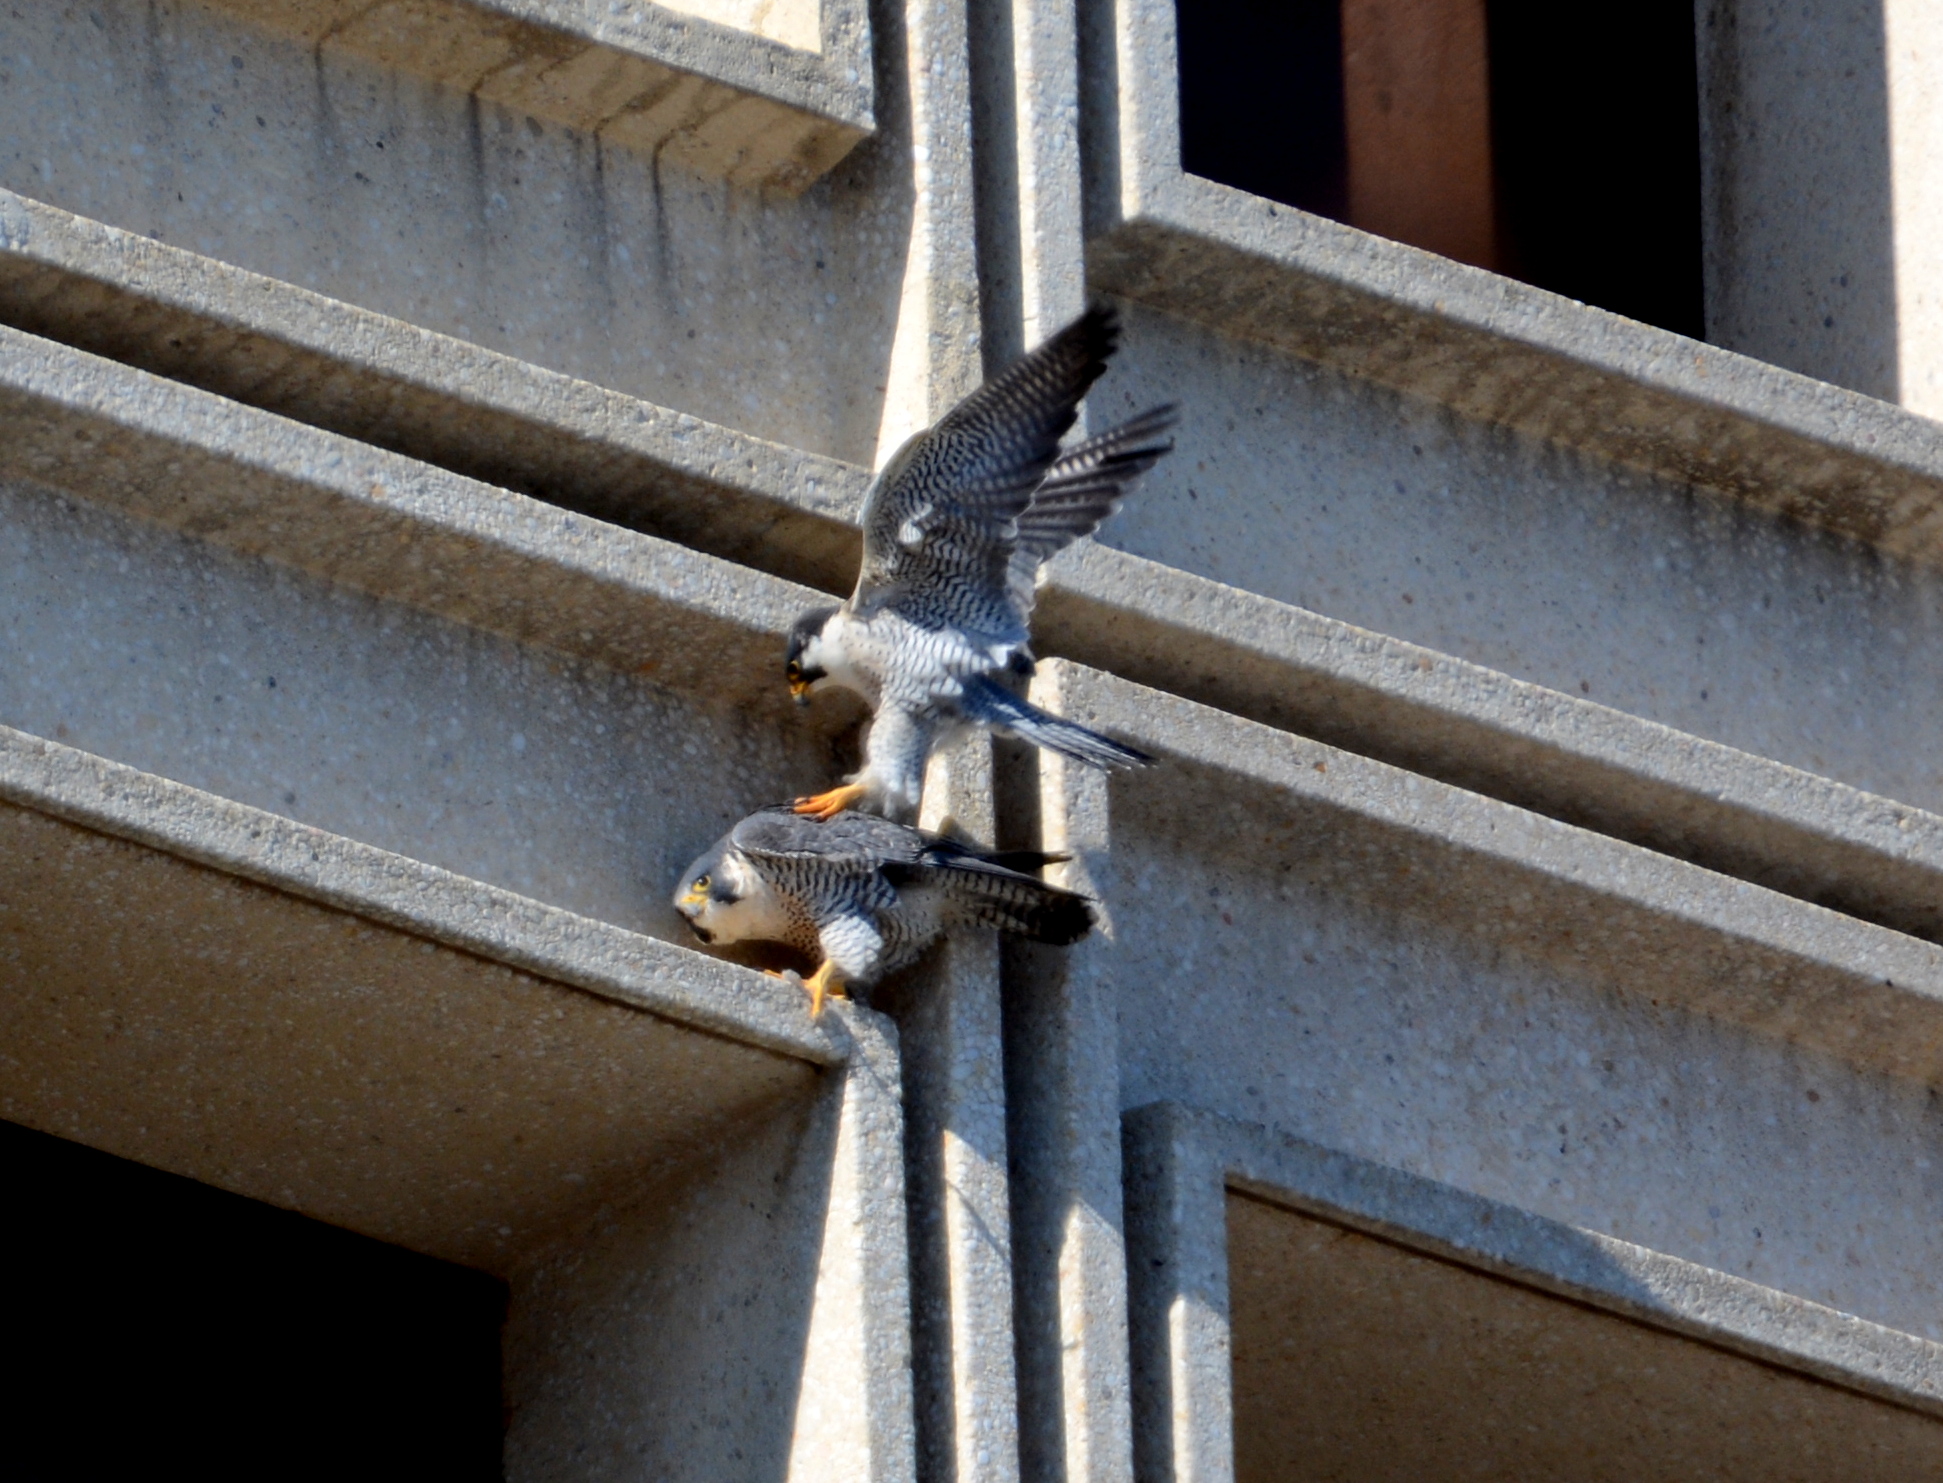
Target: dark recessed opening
<point>1596,123</point>
<point>153,1322</point>
<point>1557,145</point>
<point>1262,99</point>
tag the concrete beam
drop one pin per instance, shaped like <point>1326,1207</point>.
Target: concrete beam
<point>775,111</point>
<point>441,400</point>
<point>384,524</point>
<point>1488,348</point>
<point>411,897</point>
<point>1734,951</point>
<point>372,1041</point>
<point>1811,1365</point>
<point>1602,769</point>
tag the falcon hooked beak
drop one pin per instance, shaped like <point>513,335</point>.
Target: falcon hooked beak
<point>691,904</point>
<point>805,667</point>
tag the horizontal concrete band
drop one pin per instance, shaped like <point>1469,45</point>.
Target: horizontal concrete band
<point>1662,1291</point>
<point>687,988</point>
<point>1645,922</point>
<point>384,524</point>
<point>441,400</point>
<point>759,110</point>
<point>506,422</point>
<point>1487,347</point>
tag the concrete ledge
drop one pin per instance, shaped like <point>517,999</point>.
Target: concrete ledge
<point>1587,764</point>
<point>684,987</point>
<point>660,79</point>
<point>385,524</point>
<point>444,401</point>
<point>268,1003</point>
<point>1616,914</point>
<point>1485,346</point>
<point>1182,1165</point>
<point>683,1178</point>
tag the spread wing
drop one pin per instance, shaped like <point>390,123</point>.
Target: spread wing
<point>1081,489</point>
<point>945,511</point>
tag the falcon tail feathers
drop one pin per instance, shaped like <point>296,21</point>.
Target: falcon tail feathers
<point>1025,908</point>
<point>996,706</point>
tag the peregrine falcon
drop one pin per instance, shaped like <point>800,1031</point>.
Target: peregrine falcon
<point>865,895</point>
<point>955,530</point>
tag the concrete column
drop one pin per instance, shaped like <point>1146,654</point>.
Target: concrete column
<point>1823,189</point>
<point>745,1319</point>
<point>960,1220</point>
<point>1063,1091</point>
<point>1032,271</point>
<point>1177,1228</point>
<point>934,353</point>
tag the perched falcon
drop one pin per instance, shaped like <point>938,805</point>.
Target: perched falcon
<point>955,529</point>
<point>863,895</point>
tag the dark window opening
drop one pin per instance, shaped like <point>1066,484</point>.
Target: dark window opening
<point>153,1322</point>
<point>1262,99</point>
<point>1558,145</point>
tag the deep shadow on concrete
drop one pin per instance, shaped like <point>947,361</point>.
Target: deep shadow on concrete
<point>225,1330</point>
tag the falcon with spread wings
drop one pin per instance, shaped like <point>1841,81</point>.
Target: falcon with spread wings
<point>956,527</point>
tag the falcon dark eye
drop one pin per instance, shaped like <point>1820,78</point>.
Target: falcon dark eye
<point>701,884</point>
<point>793,672</point>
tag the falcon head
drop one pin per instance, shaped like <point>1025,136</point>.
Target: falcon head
<point>808,664</point>
<point>723,899</point>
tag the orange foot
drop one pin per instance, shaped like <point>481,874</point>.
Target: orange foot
<point>820,983</point>
<point>827,806</point>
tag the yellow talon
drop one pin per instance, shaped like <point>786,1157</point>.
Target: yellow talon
<point>826,806</point>
<point>824,981</point>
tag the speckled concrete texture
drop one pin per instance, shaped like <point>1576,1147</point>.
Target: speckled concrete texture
<point>749,1322</point>
<point>545,773</point>
<point>1566,755</point>
<point>751,309</point>
<point>1062,1066</point>
<point>316,1023</point>
<point>763,95</point>
<point>1799,161</point>
<point>438,399</point>
<point>1384,1363</point>
<point>414,898</point>
<point>1548,749</point>
<point>1691,609</point>
<point>948,1015</point>
<point>328,1056</point>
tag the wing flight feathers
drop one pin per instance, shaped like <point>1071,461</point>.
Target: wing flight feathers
<point>1084,486</point>
<point>949,498</point>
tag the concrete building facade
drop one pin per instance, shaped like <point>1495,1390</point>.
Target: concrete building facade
<point>1513,1044</point>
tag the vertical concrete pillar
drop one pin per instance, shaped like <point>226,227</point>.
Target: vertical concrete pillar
<point>934,352</point>
<point>1063,1093</point>
<point>955,1162</point>
<point>747,1319</point>
<point>1823,189</point>
<point>1177,1251</point>
<point>1025,60</point>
